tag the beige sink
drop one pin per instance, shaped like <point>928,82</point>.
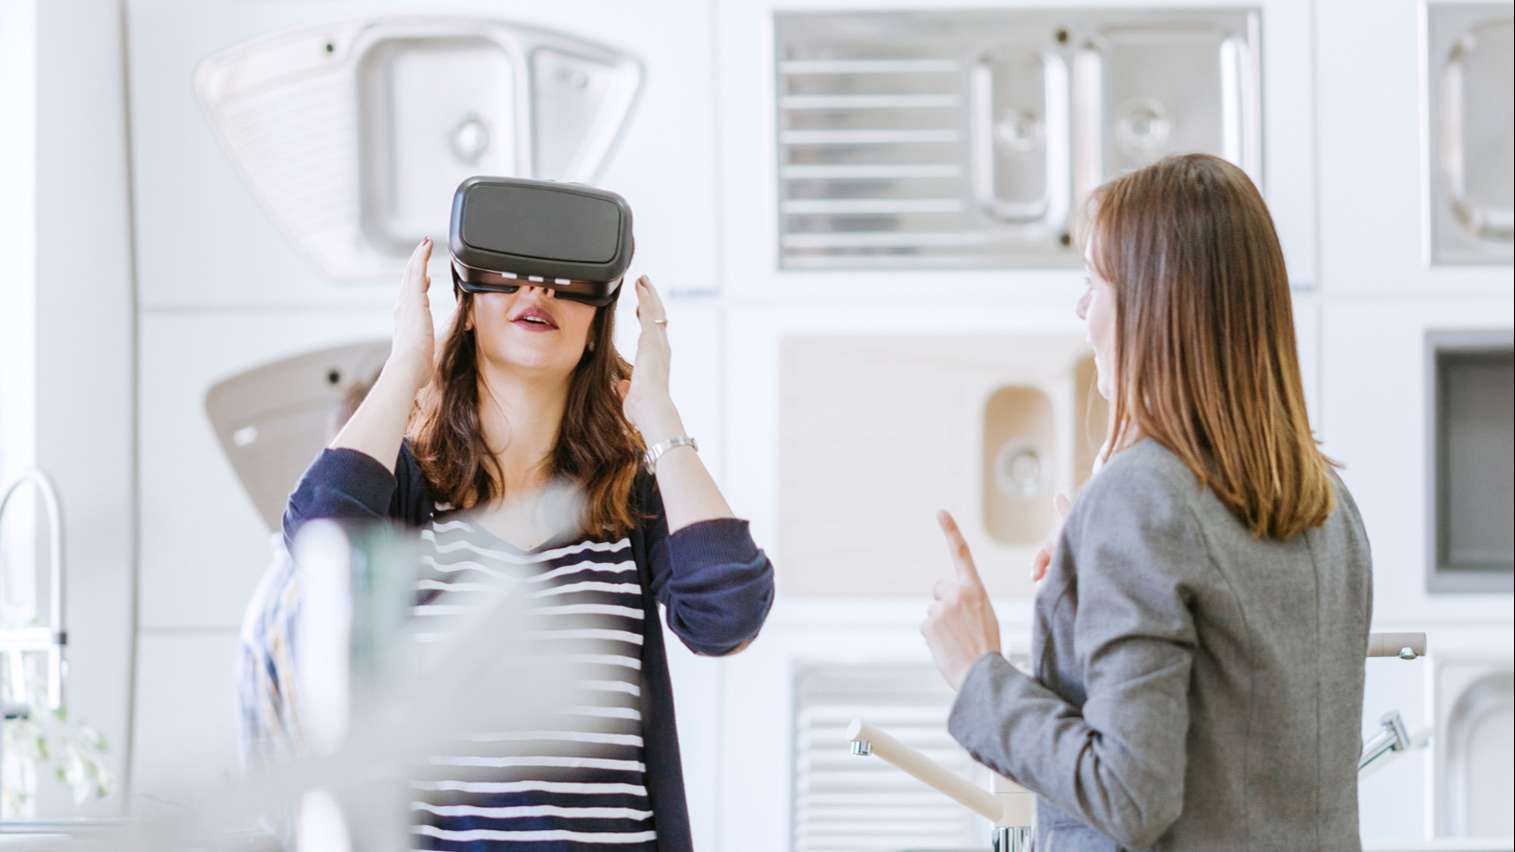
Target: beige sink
<point>877,433</point>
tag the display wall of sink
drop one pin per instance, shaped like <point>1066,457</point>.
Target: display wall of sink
<point>968,138</point>
<point>356,189</point>
<point>1471,450</point>
<point>1474,748</point>
<point>1470,68</point>
<point>877,433</point>
<point>841,800</point>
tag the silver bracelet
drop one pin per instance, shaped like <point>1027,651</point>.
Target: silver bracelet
<point>656,451</point>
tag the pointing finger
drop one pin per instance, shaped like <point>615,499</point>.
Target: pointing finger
<point>962,557</point>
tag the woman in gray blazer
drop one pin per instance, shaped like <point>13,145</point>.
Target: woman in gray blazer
<point>1200,633</point>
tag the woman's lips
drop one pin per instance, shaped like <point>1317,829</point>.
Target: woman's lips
<point>535,319</point>
<point>538,327</point>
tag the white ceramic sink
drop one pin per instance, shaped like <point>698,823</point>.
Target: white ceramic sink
<point>353,135</point>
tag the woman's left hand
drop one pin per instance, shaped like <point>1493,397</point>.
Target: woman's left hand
<point>645,397</point>
<point>960,625</point>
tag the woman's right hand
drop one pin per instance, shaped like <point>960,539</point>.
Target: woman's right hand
<point>412,348</point>
<point>1043,558</point>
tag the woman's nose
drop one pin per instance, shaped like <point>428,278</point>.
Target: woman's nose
<point>1082,308</point>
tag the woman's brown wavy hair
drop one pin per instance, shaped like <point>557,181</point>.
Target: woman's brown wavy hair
<point>1205,356</point>
<point>597,449</point>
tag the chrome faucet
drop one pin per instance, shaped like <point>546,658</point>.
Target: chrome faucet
<point>51,638</point>
<point>1391,737</point>
<point>1009,806</point>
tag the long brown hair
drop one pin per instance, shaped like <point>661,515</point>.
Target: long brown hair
<point>1205,360</point>
<point>597,449</point>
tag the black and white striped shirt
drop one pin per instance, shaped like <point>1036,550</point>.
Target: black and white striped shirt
<point>579,780</point>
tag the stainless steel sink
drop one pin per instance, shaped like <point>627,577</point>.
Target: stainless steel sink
<point>1476,703</point>
<point>968,137</point>
<point>353,135</point>
<point>422,131</point>
<point>1152,103</point>
<point>1470,64</point>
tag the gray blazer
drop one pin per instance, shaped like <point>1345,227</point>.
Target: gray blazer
<point>1195,687</point>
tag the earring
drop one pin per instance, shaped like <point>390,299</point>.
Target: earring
<point>591,344</point>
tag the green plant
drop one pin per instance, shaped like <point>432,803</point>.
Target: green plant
<point>49,743</point>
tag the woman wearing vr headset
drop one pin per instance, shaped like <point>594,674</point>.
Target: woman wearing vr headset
<point>1199,640</point>
<point>465,441</point>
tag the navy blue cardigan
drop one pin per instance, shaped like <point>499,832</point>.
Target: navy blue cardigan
<point>715,582</point>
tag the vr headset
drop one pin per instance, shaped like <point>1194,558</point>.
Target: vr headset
<point>508,233</point>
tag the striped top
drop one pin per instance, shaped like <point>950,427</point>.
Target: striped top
<point>713,581</point>
<point>581,778</point>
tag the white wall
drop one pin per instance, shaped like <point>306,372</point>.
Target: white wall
<point>86,412</point>
<point>18,244</point>
<point>70,408</point>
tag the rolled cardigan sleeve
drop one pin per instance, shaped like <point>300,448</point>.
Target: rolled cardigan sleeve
<point>715,582</point>
<point>348,485</point>
<point>1117,761</point>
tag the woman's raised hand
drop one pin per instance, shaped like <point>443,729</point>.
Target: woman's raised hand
<point>960,624</point>
<point>377,428</point>
<point>647,402</point>
<point>412,348</point>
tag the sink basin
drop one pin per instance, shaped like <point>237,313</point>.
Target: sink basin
<point>1027,459</point>
<point>1470,66</point>
<point>272,419</point>
<point>1152,103</point>
<point>424,133</point>
<point>1474,749</point>
<point>1019,446</point>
